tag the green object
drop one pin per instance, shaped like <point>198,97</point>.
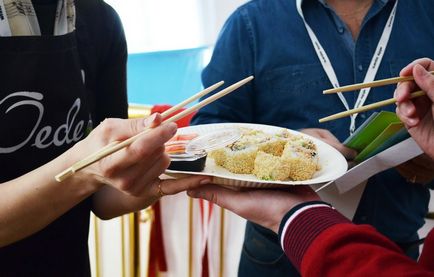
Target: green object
<point>376,145</point>
<point>379,132</point>
<point>370,129</point>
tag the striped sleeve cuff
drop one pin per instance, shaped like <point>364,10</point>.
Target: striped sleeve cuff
<point>302,224</point>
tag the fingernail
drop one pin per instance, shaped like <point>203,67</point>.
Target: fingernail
<point>205,181</point>
<point>419,70</point>
<point>173,128</point>
<point>149,120</point>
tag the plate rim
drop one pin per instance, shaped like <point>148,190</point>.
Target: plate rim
<point>218,178</point>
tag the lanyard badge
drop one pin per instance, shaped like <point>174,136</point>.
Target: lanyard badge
<point>373,66</point>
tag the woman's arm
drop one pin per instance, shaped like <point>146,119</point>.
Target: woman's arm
<point>31,202</point>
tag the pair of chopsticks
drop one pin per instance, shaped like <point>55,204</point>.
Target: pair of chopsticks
<point>372,106</point>
<point>115,146</point>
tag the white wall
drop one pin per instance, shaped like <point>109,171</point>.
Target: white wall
<point>155,25</point>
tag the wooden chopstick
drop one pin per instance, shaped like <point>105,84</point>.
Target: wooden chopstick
<point>368,107</point>
<point>373,84</point>
<point>115,146</point>
<point>191,99</point>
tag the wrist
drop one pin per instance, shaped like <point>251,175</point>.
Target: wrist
<point>281,216</point>
<point>303,224</point>
<point>86,178</point>
<point>290,215</point>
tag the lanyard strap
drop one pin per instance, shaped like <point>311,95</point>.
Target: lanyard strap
<point>373,66</point>
<point>18,18</point>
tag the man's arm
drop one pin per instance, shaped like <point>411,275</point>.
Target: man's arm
<point>232,60</point>
<point>316,238</point>
<point>321,242</point>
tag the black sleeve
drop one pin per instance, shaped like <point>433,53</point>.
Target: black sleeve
<point>103,50</point>
<point>111,86</point>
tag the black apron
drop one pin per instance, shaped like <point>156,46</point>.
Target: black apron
<point>43,112</point>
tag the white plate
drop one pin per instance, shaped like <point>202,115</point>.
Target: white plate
<point>333,164</point>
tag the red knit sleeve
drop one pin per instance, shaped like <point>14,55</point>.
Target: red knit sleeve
<point>322,242</point>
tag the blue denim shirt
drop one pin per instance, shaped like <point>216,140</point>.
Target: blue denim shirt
<point>267,39</point>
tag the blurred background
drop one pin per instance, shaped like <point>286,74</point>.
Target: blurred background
<point>169,43</point>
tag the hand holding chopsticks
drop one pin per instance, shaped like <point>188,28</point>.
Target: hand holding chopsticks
<point>373,105</point>
<point>115,146</point>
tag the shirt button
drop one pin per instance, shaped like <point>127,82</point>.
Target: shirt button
<point>360,67</point>
<point>341,30</point>
<point>363,218</point>
<point>363,116</point>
